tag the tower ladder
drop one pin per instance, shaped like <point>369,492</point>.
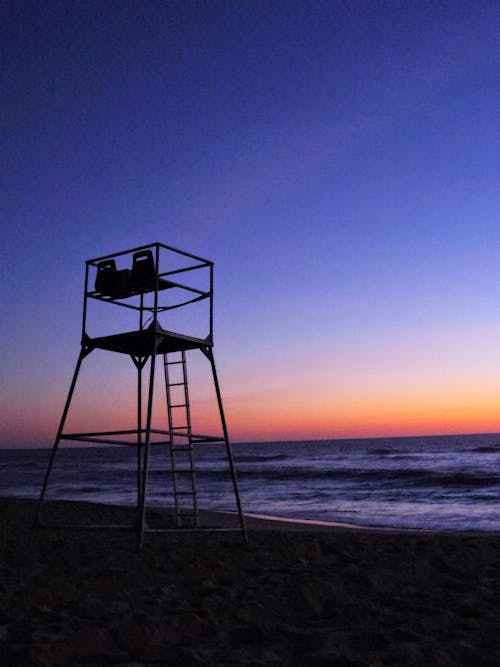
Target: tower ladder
<point>181,441</point>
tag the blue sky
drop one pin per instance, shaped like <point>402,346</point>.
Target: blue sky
<point>338,161</point>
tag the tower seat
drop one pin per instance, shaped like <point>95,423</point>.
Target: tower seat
<point>141,343</point>
<point>141,279</point>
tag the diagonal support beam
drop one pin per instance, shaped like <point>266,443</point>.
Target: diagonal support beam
<point>85,351</point>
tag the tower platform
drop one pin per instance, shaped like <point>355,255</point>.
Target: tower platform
<point>140,343</point>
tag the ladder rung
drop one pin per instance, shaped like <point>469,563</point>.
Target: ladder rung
<point>180,448</point>
<point>184,471</point>
<point>184,493</point>
<point>176,384</point>
<point>176,428</point>
<point>180,405</point>
<point>173,363</point>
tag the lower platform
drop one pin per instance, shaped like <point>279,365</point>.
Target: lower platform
<point>141,343</point>
<point>125,437</point>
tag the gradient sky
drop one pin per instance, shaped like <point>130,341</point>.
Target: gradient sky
<point>337,160</point>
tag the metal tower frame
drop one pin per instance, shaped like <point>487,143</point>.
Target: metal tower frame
<point>141,289</point>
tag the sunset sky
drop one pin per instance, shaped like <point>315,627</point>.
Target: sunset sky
<point>338,161</point>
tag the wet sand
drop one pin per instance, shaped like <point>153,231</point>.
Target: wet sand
<point>296,594</point>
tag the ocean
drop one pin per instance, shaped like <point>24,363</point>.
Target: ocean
<point>442,482</point>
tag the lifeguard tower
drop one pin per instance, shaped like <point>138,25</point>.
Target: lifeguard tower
<point>143,284</point>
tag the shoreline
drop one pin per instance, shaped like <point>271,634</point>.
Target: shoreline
<point>294,594</point>
<point>269,522</point>
<point>288,523</point>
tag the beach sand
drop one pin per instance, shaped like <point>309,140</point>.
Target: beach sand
<point>294,595</point>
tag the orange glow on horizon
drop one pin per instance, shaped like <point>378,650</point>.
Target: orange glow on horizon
<point>360,391</point>
<point>288,413</point>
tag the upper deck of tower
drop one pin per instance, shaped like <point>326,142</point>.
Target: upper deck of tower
<point>153,291</point>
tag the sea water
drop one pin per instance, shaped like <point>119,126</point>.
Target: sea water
<point>443,482</point>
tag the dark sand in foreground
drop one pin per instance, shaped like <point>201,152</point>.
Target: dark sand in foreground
<point>292,596</point>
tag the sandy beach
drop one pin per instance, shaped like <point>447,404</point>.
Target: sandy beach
<point>294,595</point>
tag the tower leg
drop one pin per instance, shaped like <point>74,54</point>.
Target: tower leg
<point>139,363</point>
<point>209,354</point>
<point>139,439</point>
<point>83,353</point>
<point>145,460</point>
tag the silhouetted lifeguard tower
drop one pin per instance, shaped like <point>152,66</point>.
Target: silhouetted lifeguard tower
<point>157,279</point>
